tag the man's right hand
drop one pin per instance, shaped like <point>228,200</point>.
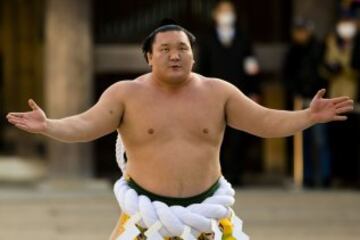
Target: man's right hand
<point>95,122</point>
<point>33,121</point>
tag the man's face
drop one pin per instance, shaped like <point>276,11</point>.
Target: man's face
<point>301,35</point>
<point>224,14</point>
<point>172,57</point>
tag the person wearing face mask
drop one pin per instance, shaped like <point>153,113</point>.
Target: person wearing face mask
<point>342,70</point>
<point>340,57</point>
<point>226,53</point>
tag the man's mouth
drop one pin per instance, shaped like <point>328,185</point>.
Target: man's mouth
<point>175,66</point>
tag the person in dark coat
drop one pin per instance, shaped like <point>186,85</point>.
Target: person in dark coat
<point>301,79</point>
<point>302,60</point>
<point>227,53</point>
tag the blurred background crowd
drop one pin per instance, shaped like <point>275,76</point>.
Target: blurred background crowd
<point>64,53</point>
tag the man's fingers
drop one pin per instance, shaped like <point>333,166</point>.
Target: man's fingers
<point>12,118</point>
<point>320,93</point>
<point>15,120</point>
<point>340,99</point>
<point>33,105</point>
<point>344,109</point>
<point>340,118</point>
<point>19,123</point>
<point>14,114</point>
<point>348,102</point>
<point>21,126</point>
<point>344,106</point>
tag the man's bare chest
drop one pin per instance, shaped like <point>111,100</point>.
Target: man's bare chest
<point>191,117</point>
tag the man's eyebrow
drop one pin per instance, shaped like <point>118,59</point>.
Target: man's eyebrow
<point>179,43</point>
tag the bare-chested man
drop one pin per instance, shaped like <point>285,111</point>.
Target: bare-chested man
<point>172,121</point>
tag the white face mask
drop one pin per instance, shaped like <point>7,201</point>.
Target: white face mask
<point>226,19</point>
<point>346,30</point>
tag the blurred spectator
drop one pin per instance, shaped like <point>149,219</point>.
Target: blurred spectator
<point>342,69</point>
<point>301,78</point>
<point>301,72</point>
<point>226,53</point>
<point>341,59</point>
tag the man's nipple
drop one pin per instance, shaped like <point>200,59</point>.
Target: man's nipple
<point>150,131</point>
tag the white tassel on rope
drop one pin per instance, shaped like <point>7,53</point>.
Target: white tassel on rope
<point>237,230</point>
<point>119,153</point>
<point>130,229</point>
<point>187,234</point>
<point>153,232</point>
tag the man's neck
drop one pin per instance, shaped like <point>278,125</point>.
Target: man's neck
<point>168,85</point>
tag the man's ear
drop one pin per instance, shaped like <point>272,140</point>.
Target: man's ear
<point>149,58</point>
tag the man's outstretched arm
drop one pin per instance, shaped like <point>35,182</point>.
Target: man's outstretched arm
<point>101,119</point>
<point>244,114</point>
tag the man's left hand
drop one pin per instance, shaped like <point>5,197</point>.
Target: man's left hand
<point>324,110</point>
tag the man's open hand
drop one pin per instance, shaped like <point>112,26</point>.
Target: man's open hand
<point>324,110</point>
<point>33,121</point>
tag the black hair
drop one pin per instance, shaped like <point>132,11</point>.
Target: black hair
<point>216,4</point>
<point>303,23</point>
<point>166,25</point>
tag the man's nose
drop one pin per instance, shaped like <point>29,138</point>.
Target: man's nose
<point>174,55</point>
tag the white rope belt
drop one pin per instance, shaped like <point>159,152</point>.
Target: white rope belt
<point>162,220</point>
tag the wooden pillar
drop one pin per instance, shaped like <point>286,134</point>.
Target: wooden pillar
<point>22,78</point>
<point>22,52</point>
<point>274,154</point>
<point>68,79</point>
<point>298,151</point>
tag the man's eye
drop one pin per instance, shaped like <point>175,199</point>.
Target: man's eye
<point>164,49</point>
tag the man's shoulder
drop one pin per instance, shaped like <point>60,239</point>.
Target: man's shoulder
<point>130,84</point>
<point>216,86</point>
<point>123,89</point>
<point>213,82</point>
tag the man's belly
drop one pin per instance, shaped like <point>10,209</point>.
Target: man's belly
<point>170,174</point>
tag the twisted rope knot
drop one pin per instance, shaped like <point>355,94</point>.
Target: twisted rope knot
<point>174,219</point>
